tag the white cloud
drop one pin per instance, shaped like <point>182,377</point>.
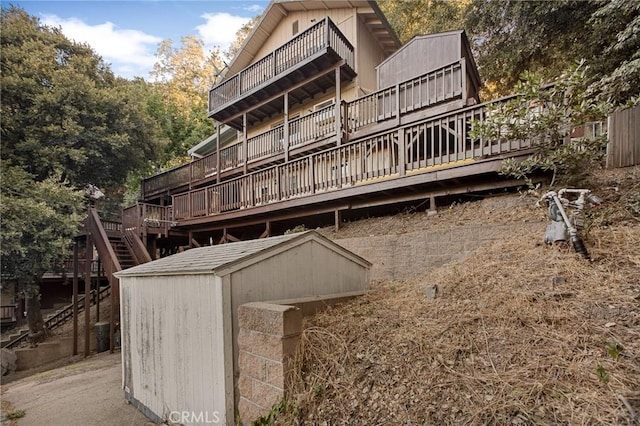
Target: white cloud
<point>254,8</point>
<point>130,52</point>
<point>220,29</point>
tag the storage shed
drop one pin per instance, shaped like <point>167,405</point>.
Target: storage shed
<point>179,316</point>
<point>427,53</point>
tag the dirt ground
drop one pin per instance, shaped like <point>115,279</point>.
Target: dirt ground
<point>85,393</point>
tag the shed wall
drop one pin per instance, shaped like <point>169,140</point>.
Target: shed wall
<point>179,331</point>
<point>306,270</point>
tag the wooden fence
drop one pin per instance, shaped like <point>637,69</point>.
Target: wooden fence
<point>624,138</point>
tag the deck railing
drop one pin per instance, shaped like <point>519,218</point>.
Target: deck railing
<point>151,217</point>
<point>436,86</point>
<point>323,34</point>
<point>440,85</point>
<point>407,149</point>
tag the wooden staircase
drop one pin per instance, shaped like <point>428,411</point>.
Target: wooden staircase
<point>122,252</point>
<point>52,321</point>
<point>116,251</point>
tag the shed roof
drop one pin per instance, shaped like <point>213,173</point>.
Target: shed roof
<point>214,258</point>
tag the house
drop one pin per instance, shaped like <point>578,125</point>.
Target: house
<point>323,113</point>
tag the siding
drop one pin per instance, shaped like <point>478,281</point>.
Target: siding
<point>624,138</point>
<point>283,32</point>
<point>419,55</point>
<point>175,330</point>
<point>368,56</point>
<point>309,269</point>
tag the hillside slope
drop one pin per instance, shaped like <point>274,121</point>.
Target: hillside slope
<point>520,333</point>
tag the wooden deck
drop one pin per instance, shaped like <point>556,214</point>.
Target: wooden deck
<point>378,111</point>
<point>406,142</point>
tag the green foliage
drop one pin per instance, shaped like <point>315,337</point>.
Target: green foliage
<point>15,415</point>
<point>277,409</point>
<point>37,221</point>
<point>545,115</point>
<point>411,18</point>
<point>603,374</point>
<point>63,111</point>
<point>614,350</point>
<point>512,37</point>
<point>616,62</point>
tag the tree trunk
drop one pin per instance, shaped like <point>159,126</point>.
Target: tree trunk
<point>34,319</point>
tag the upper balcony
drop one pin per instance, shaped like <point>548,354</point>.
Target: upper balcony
<point>307,56</point>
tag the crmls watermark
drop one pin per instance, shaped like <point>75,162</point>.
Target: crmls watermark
<point>191,417</point>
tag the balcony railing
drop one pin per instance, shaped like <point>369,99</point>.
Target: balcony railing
<point>150,217</point>
<point>430,142</point>
<point>437,86</point>
<point>322,35</point>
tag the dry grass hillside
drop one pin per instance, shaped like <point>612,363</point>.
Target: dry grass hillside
<point>519,333</point>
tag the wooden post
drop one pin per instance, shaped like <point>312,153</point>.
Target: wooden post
<point>244,140</point>
<point>337,108</point>
<point>286,127</point>
<point>397,105</point>
<point>87,294</point>
<point>98,291</point>
<point>338,219</point>
<point>217,152</point>
<point>345,119</point>
<point>75,297</point>
<point>402,150</point>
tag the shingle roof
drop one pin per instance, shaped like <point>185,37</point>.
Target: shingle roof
<point>207,259</point>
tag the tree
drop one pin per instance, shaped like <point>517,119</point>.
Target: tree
<point>411,18</point>
<point>241,35</point>
<point>545,116</point>
<point>616,52</point>
<point>37,221</point>
<point>64,112</point>
<point>183,77</point>
<point>512,37</point>
<point>66,122</point>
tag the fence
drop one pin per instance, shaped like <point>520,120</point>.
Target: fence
<point>624,138</point>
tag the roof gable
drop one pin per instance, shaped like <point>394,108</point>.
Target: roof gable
<point>369,12</point>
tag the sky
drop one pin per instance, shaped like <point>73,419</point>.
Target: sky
<point>127,33</point>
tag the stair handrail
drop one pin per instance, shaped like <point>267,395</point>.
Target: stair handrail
<point>64,313</point>
<point>136,246</point>
<point>101,241</point>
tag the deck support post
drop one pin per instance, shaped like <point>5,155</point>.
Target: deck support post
<point>338,105</point>
<point>286,127</point>
<point>217,152</point>
<point>98,291</point>
<point>432,206</point>
<point>87,299</point>
<point>267,231</point>
<point>338,219</point>
<point>244,141</point>
<point>75,297</point>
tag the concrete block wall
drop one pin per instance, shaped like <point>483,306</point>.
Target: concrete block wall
<point>411,254</point>
<point>267,341</point>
